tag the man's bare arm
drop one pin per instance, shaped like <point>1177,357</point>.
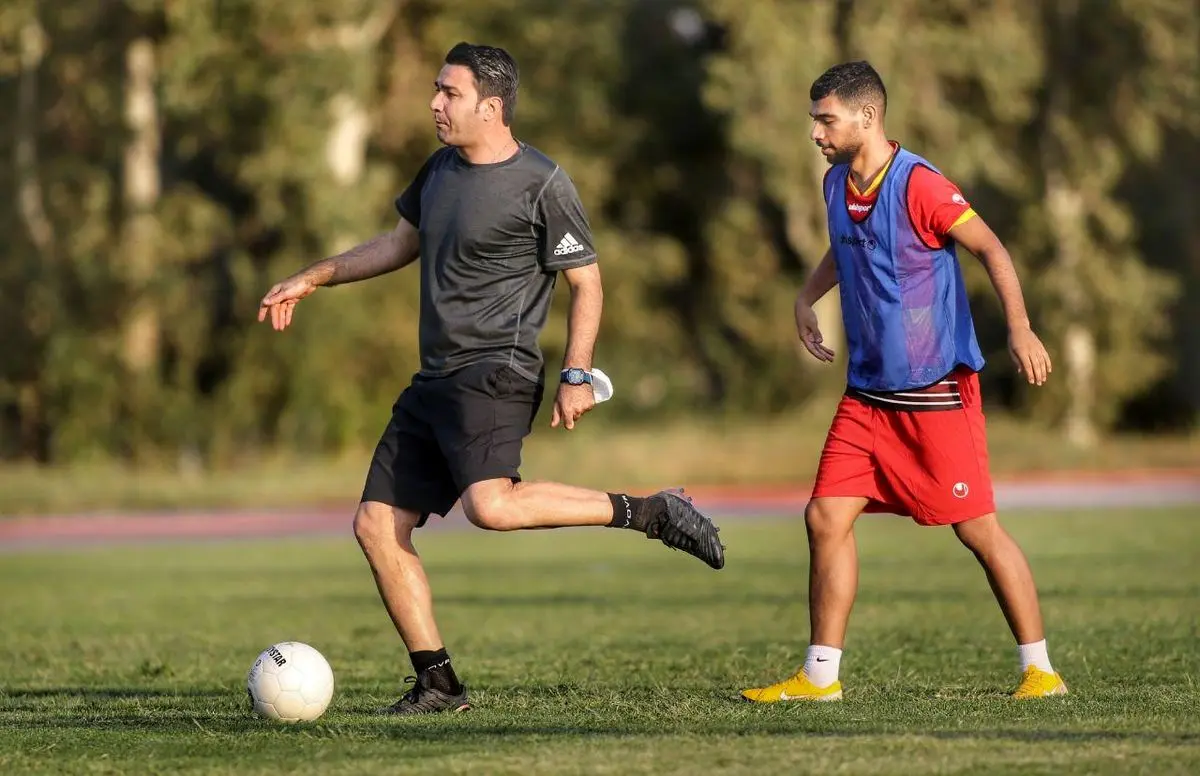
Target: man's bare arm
<point>978,238</point>
<point>583,326</point>
<point>822,280</point>
<point>583,321</point>
<point>383,254</point>
<point>1027,351</point>
<point>819,283</point>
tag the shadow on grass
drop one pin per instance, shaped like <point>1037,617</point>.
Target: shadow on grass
<point>480,734</point>
<point>101,694</point>
<point>562,712</point>
<point>794,597</point>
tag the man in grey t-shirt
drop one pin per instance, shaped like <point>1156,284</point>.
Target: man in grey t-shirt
<point>493,222</point>
<point>493,235</point>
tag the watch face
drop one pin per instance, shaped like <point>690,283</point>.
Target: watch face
<point>576,376</point>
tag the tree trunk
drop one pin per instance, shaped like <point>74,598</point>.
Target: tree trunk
<point>29,186</point>
<point>1189,331</point>
<point>1067,215</point>
<point>346,151</point>
<point>140,237</point>
<point>32,431</point>
<point>346,145</point>
<point>1065,208</point>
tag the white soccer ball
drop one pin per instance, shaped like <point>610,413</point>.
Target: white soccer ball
<point>290,682</point>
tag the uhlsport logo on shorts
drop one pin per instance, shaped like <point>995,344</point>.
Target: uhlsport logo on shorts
<point>960,490</point>
<point>568,244</point>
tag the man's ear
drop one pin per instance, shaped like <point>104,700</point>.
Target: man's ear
<point>870,115</point>
<point>495,108</point>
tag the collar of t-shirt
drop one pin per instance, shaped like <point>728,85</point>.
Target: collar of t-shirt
<point>869,196</point>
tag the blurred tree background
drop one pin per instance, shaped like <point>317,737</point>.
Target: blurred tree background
<point>165,161</point>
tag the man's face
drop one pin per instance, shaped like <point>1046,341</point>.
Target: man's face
<point>837,130</point>
<point>456,107</point>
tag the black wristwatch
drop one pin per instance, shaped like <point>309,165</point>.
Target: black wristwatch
<point>575,376</point>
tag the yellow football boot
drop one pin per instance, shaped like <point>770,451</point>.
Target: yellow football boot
<point>1036,683</point>
<point>795,688</point>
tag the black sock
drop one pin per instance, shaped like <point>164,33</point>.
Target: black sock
<point>627,512</point>
<point>436,663</point>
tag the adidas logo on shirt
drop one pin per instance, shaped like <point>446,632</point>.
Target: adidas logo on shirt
<point>568,244</point>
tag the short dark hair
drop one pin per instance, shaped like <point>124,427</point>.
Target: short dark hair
<point>854,83</point>
<point>495,72</point>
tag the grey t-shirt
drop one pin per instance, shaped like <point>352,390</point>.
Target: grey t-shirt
<point>493,237</point>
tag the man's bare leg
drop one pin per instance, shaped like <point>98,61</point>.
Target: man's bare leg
<point>1008,573</point>
<point>504,505</point>
<point>832,586</point>
<point>385,535</point>
<point>1012,583</point>
<point>833,569</point>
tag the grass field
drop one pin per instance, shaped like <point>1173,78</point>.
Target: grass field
<point>594,651</point>
<point>689,452</point>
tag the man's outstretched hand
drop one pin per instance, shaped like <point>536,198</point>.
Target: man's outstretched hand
<point>281,300</point>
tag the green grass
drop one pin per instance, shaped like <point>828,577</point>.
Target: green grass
<point>594,651</point>
<point>598,455</point>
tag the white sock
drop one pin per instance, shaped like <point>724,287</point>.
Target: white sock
<point>1034,655</point>
<point>821,664</point>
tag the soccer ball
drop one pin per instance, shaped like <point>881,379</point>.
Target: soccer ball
<point>290,682</point>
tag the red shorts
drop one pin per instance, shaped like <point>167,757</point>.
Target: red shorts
<point>930,465</point>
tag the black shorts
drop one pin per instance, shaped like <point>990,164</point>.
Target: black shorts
<point>447,433</point>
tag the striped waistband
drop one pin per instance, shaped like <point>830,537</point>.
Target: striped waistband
<point>942,395</point>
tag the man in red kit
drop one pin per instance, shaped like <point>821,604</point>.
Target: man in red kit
<point>909,435</point>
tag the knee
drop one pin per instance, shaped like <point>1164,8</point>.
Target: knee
<point>493,512</point>
<point>823,522</point>
<point>376,526</point>
<point>980,535</point>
